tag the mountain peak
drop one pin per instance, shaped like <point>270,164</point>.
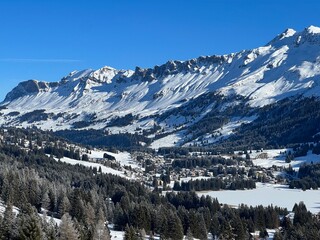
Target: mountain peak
<point>312,30</point>
<point>76,75</point>
<point>107,74</point>
<point>289,32</point>
<point>280,38</point>
<point>28,87</point>
<point>310,35</point>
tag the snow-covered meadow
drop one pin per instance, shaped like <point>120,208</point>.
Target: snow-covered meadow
<point>104,169</point>
<point>123,158</point>
<point>277,157</point>
<point>267,194</point>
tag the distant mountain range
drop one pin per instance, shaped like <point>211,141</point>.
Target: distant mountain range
<point>199,102</point>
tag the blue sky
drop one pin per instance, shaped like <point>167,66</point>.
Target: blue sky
<point>45,40</point>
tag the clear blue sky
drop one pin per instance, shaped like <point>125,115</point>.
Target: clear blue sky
<point>45,40</point>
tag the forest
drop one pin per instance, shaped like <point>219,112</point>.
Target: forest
<point>85,200</point>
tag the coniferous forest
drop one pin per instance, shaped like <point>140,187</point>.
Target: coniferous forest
<point>36,189</point>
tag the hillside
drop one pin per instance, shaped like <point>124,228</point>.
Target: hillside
<point>173,99</point>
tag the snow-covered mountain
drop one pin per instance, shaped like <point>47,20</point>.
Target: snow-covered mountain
<point>131,101</point>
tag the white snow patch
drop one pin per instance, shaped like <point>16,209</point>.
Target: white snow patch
<point>104,169</point>
<point>267,194</point>
<point>16,211</point>
<point>310,158</point>
<point>277,157</point>
<point>313,29</point>
<point>3,208</point>
<point>124,158</point>
<point>116,235</point>
<point>167,141</point>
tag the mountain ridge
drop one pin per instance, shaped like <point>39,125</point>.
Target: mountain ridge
<point>289,65</point>
<point>107,74</point>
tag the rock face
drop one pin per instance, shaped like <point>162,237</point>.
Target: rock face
<point>28,88</point>
<point>289,65</point>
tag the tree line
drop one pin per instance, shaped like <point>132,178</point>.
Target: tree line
<point>214,184</point>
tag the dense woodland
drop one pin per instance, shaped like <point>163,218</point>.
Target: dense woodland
<point>289,121</point>
<point>85,199</point>
<point>308,177</point>
<point>103,139</point>
<point>214,184</point>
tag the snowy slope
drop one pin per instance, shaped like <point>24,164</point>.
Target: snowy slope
<point>288,65</point>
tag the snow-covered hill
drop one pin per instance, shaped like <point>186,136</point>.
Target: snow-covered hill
<point>131,101</point>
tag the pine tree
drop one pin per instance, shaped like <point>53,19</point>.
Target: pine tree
<point>238,229</point>
<point>64,206</point>
<point>175,230</point>
<point>45,201</point>
<point>226,232</point>
<point>67,231</point>
<point>101,232</point>
<point>7,224</point>
<point>51,230</point>
<point>76,205</point>
<point>30,227</point>
<point>119,218</point>
<point>198,226</point>
<point>130,233</point>
<point>89,219</point>
<point>215,225</point>
<point>189,235</point>
<point>7,190</point>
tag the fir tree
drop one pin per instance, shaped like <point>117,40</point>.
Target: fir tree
<point>189,235</point>
<point>51,230</point>
<point>101,232</point>
<point>130,233</point>
<point>64,206</point>
<point>30,227</point>
<point>7,224</point>
<point>67,231</point>
<point>175,230</point>
<point>226,231</point>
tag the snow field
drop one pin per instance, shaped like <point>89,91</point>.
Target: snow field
<point>267,194</point>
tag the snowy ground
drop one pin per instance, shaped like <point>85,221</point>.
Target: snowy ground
<point>221,133</point>
<point>17,210</point>
<point>124,158</point>
<point>116,235</point>
<point>167,141</point>
<point>306,159</point>
<point>91,164</point>
<point>267,194</point>
<point>277,157</point>
<point>3,208</point>
<point>268,158</point>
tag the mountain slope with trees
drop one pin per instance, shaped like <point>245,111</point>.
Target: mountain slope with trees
<point>84,199</point>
